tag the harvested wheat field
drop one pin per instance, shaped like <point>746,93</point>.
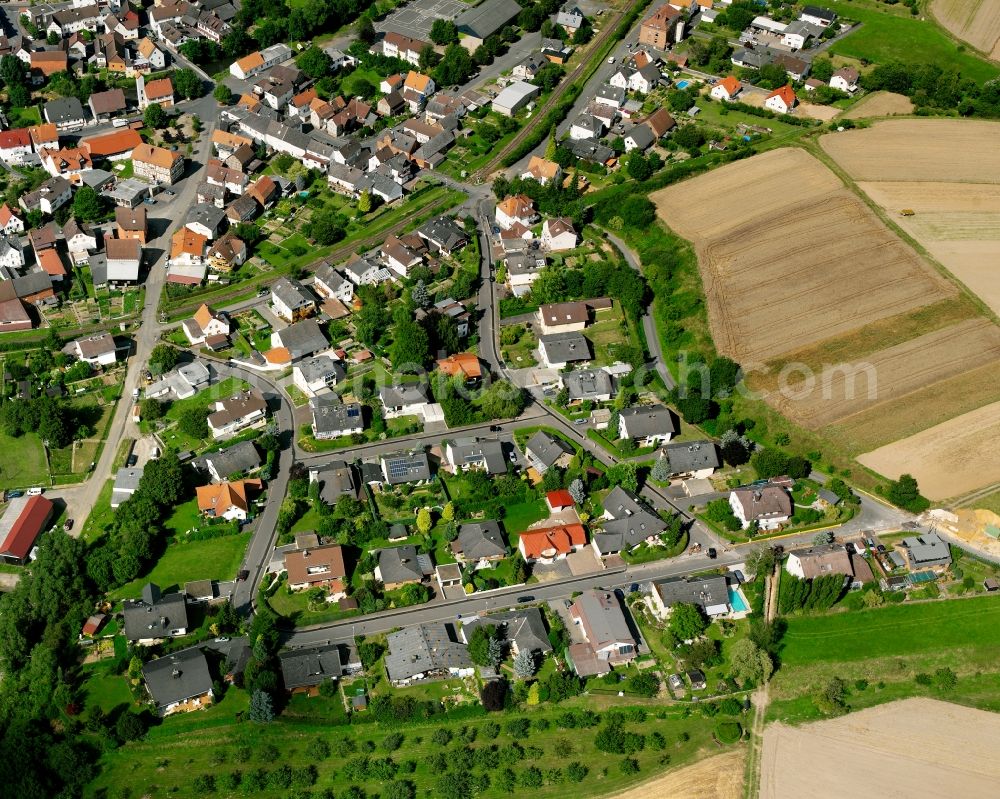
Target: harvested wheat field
<point>974,21</point>
<point>924,150</point>
<point>790,257</point>
<point>949,459</point>
<point>719,777</point>
<point>890,374</point>
<point>823,113</point>
<point>958,223</point>
<point>915,748</point>
<point>880,104</point>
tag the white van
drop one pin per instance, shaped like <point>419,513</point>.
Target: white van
<point>119,123</point>
<point>35,492</point>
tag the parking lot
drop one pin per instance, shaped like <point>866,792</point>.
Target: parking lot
<point>415,18</point>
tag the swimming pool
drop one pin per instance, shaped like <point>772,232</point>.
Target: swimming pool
<point>736,601</point>
<point>682,84</point>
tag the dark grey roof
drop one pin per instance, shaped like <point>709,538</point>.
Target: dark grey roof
<point>589,150</point>
<point>400,564</point>
<point>480,540</point>
<point>565,347</point>
<point>632,521</point>
<point>444,232</point>
<point>408,467</point>
<point>208,215</point>
<point>525,628</point>
<point>701,591</point>
<point>63,109</point>
<point>754,59</point>
<point>404,394</point>
<point>155,615</point>
<point>302,668</point>
<point>487,18</point>
<point>332,417</point>
<point>425,649</point>
<point>927,549</point>
<point>819,13</point>
<point>641,135</point>
<point>648,420</point>
<point>321,367</point>
<point>587,384</point>
<point>241,457</point>
<point>604,616</point>
<point>303,338</point>
<point>546,448</point>
<point>478,452</point>
<point>292,293</point>
<point>690,456</point>
<point>336,479</point>
<point>178,676</point>
<point>589,123</point>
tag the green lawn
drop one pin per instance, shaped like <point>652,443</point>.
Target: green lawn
<point>887,648</point>
<point>889,33</point>
<point>105,689</point>
<point>217,559</point>
<point>184,518</point>
<point>520,516</point>
<point>23,461</point>
<point>890,631</point>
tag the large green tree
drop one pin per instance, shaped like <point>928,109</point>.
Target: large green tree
<point>687,622</point>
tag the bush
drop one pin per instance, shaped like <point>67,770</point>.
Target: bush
<point>728,732</point>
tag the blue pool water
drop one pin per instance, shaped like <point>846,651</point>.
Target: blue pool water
<point>736,602</point>
<point>682,84</point>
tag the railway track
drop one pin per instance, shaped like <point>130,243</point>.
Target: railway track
<point>602,38</point>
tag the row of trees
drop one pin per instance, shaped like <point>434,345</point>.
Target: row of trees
<point>53,419</point>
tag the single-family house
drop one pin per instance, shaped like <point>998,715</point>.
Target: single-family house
<point>124,258</point>
<point>845,79</point>
<point>304,670</point>
<point>332,418</point>
<point>558,234</point>
<point>301,339</point>
<point>157,164</point>
<point>544,451</point>
<point>770,506</point>
<point>328,283</point>
<point>549,544</point>
<point>523,629</point>
<point>692,459</point>
<point>708,592</point>
<point>238,412</point>
<point>627,522</point>
<point>479,543</point>
<point>131,223</point>
<point>516,209</point>
<point>814,15</point>
<point>463,454</point>
<point>317,567</point>
<point>782,100</point>
<point>99,350</point>
<point>542,170</point>
<point>406,467</point>
<point>727,89</point>
<point>608,637</point>
<point>586,126</point>
<point>588,385</point>
<point>239,459</point>
<point>825,559</point>
<point>227,500</point>
<point>648,425</point>
<point>336,479</point>
<point>10,222</point>
<point>927,550</point>
<point>559,349</point>
<point>155,616</point>
<point>179,682</point>
<point>399,566</point>
<point>291,300</point>
<point>563,317</point>
<point>426,651</point>
<point>317,375</point>
<point>205,324</point>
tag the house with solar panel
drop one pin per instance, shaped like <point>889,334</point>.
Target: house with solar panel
<point>406,467</point>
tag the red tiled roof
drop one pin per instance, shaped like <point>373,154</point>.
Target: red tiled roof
<point>29,525</point>
<point>559,539</point>
<point>560,499</point>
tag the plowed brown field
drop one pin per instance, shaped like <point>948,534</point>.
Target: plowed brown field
<point>790,257</point>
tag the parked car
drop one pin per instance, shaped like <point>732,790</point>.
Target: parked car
<point>14,494</point>
<point>243,575</point>
<point>527,598</point>
<point>633,588</point>
<point>68,525</point>
<point>495,428</point>
<point>712,553</point>
<point>132,460</point>
<point>35,491</point>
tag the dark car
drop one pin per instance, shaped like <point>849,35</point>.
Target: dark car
<point>68,525</point>
<point>528,598</point>
<point>778,549</point>
<point>14,494</point>
<point>495,428</point>
<point>242,575</point>
<point>633,588</point>
<point>712,553</point>
<point>132,460</point>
